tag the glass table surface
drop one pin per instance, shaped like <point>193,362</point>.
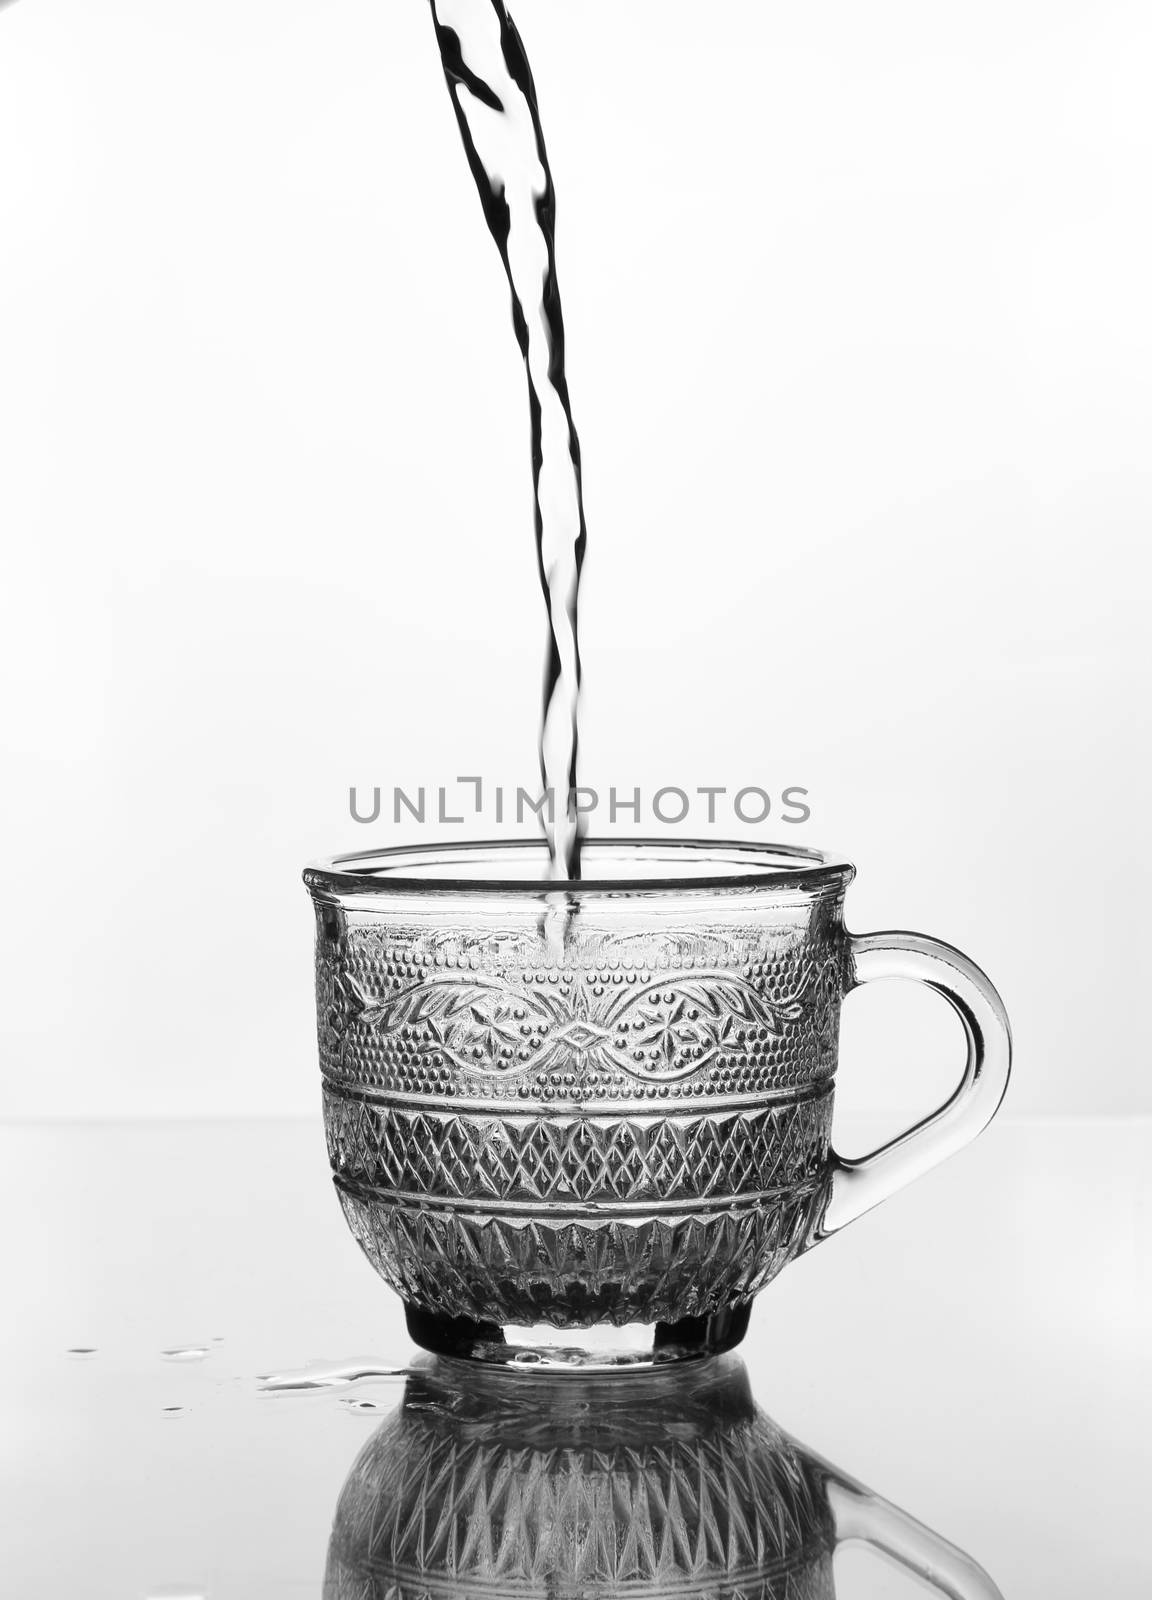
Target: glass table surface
<point>200,1369</point>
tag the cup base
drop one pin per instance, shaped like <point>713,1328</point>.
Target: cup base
<point>636,1346</point>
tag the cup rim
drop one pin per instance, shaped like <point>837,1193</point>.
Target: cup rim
<point>750,866</point>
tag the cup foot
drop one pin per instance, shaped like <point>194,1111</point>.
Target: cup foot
<point>595,1349</point>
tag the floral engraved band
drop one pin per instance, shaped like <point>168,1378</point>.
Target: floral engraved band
<point>612,1110</point>
<point>390,1006</point>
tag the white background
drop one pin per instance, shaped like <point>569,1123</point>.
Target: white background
<point>861,350</point>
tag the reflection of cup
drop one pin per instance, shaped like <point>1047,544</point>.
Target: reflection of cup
<point>607,1107</point>
<point>584,1485</point>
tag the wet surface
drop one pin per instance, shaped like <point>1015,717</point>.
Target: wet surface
<point>196,1357</point>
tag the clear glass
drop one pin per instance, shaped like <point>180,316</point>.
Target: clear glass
<point>585,1124</point>
<point>590,1487</point>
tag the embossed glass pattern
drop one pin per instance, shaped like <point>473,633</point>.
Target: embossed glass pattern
<point>609,1103</point>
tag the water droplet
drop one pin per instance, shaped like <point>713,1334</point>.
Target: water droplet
<point>186,1352</point>
<point>82,1351</point>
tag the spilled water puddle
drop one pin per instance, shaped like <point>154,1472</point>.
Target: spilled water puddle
<point>345,1381</point>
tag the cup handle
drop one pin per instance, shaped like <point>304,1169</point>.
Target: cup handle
<point>858,1185</point>
<point>861,1517</point>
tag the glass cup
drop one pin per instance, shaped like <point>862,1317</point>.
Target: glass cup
<point>593,1488</point>
<point>585,1124</point>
